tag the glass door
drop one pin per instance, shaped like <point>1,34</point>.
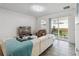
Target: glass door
<point>63,28</point>
<point>54,27</point>
<point>59,27</point>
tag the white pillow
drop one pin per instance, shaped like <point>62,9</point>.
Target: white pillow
<point>26,37</point>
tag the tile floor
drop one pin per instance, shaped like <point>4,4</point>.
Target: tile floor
<point>60,48</point>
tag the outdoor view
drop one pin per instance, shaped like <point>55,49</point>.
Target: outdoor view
<point>60,27</point>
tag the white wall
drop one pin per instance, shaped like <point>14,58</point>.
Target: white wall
<point>77,31</point>
<point>39,24</point>
<point>71,18</point>
<point>71,29</point>
<point>10,20</point>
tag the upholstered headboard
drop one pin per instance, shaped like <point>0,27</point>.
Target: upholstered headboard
<point>23,31</point>
<point>2,48</point>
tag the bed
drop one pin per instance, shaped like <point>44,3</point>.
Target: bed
<point>33,47</point>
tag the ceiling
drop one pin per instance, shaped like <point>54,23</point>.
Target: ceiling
<point>25,8</point>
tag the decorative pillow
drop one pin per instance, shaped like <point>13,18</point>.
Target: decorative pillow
<point>19,39</point>
<point>24,38</point>
<point>41,33</point>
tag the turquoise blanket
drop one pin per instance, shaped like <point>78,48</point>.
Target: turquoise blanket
<point>16,48</point>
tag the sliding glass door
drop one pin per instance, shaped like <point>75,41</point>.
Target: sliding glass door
<point>54,27</point>
<point>59,27</point>
<point>63,28</point>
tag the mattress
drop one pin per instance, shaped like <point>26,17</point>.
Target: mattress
<point>36,47</point>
